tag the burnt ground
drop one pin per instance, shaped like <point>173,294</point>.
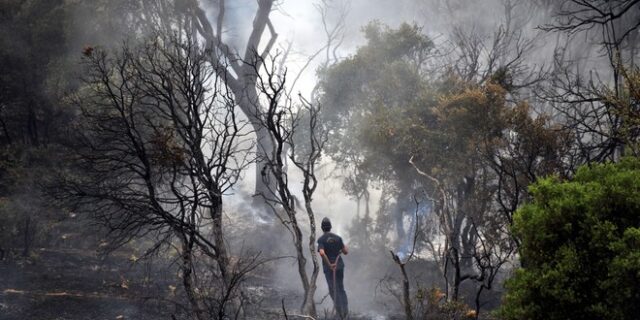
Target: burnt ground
<point>71,284</point>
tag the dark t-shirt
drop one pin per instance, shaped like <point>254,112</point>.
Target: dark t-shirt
<point>332,245</point>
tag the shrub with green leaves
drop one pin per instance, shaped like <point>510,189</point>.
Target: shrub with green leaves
<point>580,248</point>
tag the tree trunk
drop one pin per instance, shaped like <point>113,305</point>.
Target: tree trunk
<point>406,293</point>
<point>308,305</point>
<point>310,293</point>
<point>187,280</point>
<point>249,104</point>
<point>406,290</point>
<point>232,306</point>
<point>218,237</point>
<point>455,259</point>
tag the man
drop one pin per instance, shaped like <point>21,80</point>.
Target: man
<point>330,246</point>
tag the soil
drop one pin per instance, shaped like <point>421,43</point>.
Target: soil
<point>71,284</point>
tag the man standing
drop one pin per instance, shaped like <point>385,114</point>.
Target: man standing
<point>330,246</point>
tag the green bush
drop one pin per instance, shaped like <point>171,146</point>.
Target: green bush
<point>580,247</point>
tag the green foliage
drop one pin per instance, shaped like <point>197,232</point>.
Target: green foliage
<point>580,247</point>
<point>385,106</point>
<point>382,76</point>
<point>364,99</point>
<point>386,70</point>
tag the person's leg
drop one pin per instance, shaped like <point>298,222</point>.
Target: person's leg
<point>343,303</point>
<point>329,277</point>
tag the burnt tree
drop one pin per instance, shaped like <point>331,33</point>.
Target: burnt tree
<point>295,134</point>
<point>241,68</point>
<point>159,143</point>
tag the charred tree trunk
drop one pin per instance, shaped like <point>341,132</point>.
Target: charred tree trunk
<point>406,290</point>
<point>310,307</point>
<point>308,303</point>
<point>171,127</point>
<point>187,279</point>
<point>455,260</point>
<point>218,238</point>
<point>280,121</point>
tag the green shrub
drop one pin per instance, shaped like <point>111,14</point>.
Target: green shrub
<point>580,247</point>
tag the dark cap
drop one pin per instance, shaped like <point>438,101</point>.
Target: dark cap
<point>326,224</point>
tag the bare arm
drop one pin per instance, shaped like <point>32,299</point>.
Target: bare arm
<point>345,250</point>
<point>325,258</point>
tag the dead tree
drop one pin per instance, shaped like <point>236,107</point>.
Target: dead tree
<point>475,214</point>
<point>489,257</point>
<point>159,143</point>
<point>240,68</point>
<point>303,146</point>
<point>406,289</point>
<point>499,56</point>
<point>616,19</point>
<point>229,61</point>
<point>588,99</point>
<point>463,255</point>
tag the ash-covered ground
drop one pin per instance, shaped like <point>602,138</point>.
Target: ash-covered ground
<point>78,284</point>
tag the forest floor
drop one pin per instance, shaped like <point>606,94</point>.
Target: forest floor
<point>61,284</point>
<point>72,284</point>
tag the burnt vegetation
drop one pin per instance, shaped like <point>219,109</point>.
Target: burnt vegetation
<point>172,159</point>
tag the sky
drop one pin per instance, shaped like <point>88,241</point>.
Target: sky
<point>300,22</point>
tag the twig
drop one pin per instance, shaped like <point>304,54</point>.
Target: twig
<point>284,310</point>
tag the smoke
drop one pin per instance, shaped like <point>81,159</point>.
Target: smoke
<point>422,210</point>
<point>298,24</point>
